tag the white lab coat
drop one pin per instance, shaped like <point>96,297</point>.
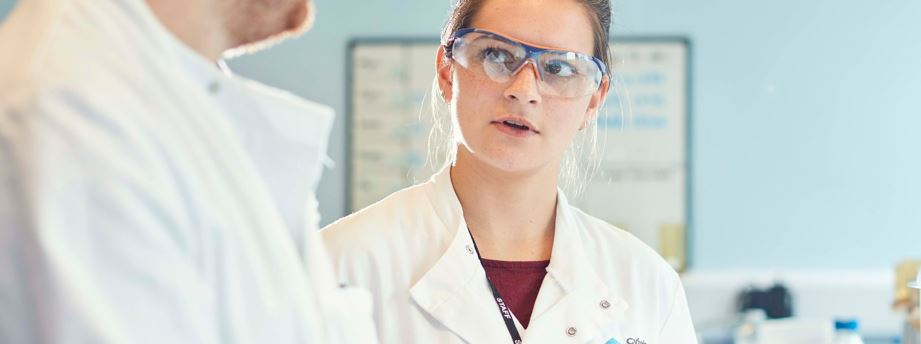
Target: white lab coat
<point>413,251</point>
<point>148,197</point>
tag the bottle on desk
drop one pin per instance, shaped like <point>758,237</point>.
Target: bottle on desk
<point>846,332</point>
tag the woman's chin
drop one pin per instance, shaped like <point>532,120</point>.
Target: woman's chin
<point>510,161</point>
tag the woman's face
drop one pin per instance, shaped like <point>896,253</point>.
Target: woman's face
<point>482,107</point>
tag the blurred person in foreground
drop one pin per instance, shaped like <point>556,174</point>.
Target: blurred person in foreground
<point>148,196</point>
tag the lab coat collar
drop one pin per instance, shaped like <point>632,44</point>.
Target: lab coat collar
<point>440,191</point>
<point>455,291</point>
<point>171,50</point>
<point>572,295</point>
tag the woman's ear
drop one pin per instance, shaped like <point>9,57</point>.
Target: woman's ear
<point>596,102</point>
<point>443,72</point>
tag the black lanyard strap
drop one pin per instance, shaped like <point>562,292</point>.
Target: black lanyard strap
<point>503,308</point>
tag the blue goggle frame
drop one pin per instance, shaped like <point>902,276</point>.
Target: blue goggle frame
<point>532,53</point>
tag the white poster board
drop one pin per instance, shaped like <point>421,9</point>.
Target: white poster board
<point>642,185</point>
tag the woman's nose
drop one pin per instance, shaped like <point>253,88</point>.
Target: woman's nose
<point>524,85</point>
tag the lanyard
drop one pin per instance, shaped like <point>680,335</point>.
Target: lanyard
<point>503,309</point>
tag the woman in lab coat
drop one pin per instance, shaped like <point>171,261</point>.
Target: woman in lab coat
<point>489,250</point>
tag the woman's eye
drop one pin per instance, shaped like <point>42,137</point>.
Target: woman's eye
<point>496,55</point>
<point>560,68</point>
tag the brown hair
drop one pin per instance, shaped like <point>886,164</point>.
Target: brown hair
<point>464,11</point>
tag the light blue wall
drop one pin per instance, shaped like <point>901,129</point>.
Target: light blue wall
<point>5,6</point>
<point>806,113</point>
<point>805,144</point>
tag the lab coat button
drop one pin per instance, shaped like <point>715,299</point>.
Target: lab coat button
<point>605,304</point>
<point>571,331</point>
<point>469,249</point>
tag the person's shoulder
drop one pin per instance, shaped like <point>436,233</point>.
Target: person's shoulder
<point>51,50</point>
<point>80,134</point>
<point>43,106</point>
<point>25,33</point>
<point>606,242</point>
<point>387,220</point>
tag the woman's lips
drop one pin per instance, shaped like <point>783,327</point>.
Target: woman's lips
<point>515,123</point>
<point>513,129</point>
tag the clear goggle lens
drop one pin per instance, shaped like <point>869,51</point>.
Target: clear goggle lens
<point>561,73</point>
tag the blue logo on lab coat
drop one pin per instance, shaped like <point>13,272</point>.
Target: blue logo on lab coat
<point>612,341</point>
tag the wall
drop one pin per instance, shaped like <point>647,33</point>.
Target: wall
<point>804,116</point>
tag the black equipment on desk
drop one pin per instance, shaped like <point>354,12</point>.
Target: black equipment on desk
<point>776,301</point>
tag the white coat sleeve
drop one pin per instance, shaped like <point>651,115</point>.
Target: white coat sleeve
<point>678,327</point>
<point>91,248</point>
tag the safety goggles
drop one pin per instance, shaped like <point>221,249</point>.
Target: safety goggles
<point>561,73</point>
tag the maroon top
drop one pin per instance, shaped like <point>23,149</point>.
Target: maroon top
<point>518,283</point>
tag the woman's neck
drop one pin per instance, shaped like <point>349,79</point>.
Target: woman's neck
<point>510,215</point>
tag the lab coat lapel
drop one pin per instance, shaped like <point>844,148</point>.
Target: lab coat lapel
<point>572,294</point>
<point>454,291</point>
